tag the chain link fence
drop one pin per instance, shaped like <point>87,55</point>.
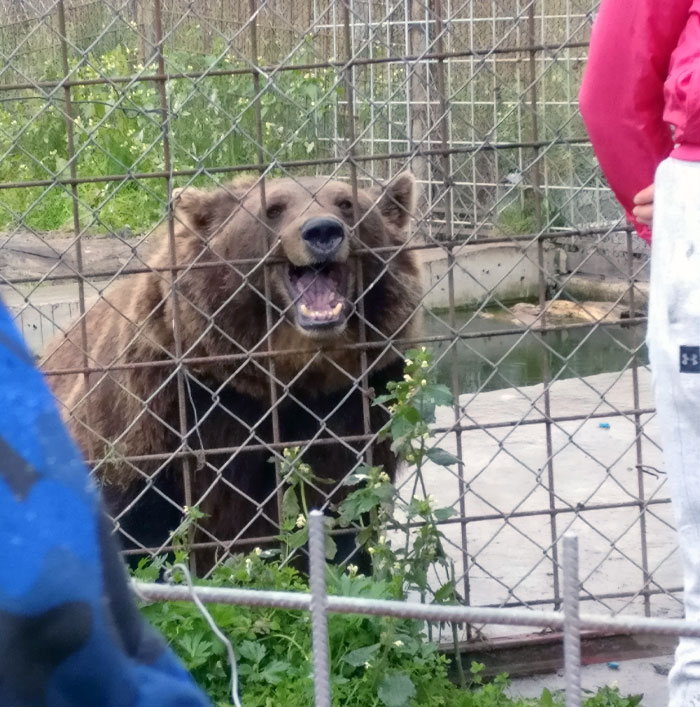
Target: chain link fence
<point>533,291</point>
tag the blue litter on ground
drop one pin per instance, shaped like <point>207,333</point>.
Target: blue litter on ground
<point>613,666</point>
<point>604,425</point>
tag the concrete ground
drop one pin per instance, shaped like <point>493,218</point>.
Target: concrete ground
<point>645,676</point>
<point>516,503</point>
<point>517,497</point>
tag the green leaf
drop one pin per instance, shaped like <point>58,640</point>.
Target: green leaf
<point>411,414</point>
<point>298,538</point>
<point>441,457</point>
<point>330,547</point>
<point>546,700</point>
<point>196,648</point>
<point>361,656</point>
<point>290,504</point>
<point>444,513</point>
<point>445,592</point>
<point>440,393</point>
<point>381,399</point>
<point>275,672</point>
<point>396,690</point>
<point>252,651</point>
<point>400,428</point>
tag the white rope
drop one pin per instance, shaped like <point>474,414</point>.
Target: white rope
<point>192,595</point>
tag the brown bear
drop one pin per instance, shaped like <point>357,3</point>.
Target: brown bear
<point>298,243</point>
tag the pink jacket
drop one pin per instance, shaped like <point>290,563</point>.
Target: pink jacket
<point>642,77</point>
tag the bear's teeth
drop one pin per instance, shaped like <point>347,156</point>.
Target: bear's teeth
<point>324,314</point>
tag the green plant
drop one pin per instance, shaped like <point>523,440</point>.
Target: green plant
<point>295,511</point>
<point>610,697</point>
<point>118,131</point>
<point>375,661</point>
<point>411,403</point>
<point>521,218</point>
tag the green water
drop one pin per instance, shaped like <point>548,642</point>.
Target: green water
<point>496,361</point>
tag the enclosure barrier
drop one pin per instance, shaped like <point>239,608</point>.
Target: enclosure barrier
<point>107,107</point>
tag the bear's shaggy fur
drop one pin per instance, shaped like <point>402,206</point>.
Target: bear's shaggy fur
<point>123,415</point>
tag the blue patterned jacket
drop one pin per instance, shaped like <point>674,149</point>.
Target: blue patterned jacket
<point>70,634</point>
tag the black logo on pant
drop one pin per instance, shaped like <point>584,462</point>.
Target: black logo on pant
<point>690,359</point>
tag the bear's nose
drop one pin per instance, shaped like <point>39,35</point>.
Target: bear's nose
<point>323,236</point>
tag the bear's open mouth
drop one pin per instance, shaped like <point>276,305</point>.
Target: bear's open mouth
<point>318,292</point>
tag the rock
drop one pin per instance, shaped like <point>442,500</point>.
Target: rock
<point>662,668</point>
<point>125,232</point>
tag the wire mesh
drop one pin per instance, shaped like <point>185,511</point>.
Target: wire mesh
<point>108,110</point>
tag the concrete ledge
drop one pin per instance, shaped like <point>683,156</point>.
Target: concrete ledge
<point>483,272</point>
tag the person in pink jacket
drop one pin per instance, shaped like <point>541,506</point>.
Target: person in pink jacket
<point>640,101</point>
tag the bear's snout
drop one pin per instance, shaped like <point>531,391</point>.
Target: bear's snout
<point>323,237</point>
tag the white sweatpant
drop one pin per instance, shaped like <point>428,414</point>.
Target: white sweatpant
<point>673,338</point>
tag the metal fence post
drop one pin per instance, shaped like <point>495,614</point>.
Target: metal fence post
<point>319,618</point>
<point>572,624</point>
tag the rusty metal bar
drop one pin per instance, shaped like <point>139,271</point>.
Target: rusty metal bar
<point>471,241</point>
<point>646,576</point>
<point>193,360</point>
<point>289,164</point>
<point>176,322</point>
<point>596,597</point>
<point>349,84</point>
<point>265,539</point>
<point>458,428</point>
<point>79,269</point>
<point>254,8</point>
<point>193,75</point>
<point>446,164</point>
<point>536,178</point>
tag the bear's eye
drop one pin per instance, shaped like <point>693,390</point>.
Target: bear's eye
<point>345,205</point>
<point>274,211</point>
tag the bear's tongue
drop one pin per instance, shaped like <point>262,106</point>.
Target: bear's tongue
<point>319,298</point>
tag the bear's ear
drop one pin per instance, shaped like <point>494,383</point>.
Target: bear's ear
<point>200,208</point>
<point>397,199</point>
<point>192,206</point>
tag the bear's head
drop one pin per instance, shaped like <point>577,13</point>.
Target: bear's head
<point>314,231</point>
